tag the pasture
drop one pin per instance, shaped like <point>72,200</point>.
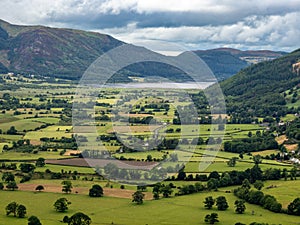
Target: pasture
<point>109,210</point>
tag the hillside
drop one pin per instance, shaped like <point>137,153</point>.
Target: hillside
<point>50,51</point>
<point>66,53</point>
<point>225,62</point>
<point>257,89</point>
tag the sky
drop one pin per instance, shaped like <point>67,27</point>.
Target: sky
<point>170,26</point>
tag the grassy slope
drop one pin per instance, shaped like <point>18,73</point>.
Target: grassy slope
<point>179,210</point>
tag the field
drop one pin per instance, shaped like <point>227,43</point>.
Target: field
<point>44,128</point>
<point>108,210</point>
<point>280,190</point>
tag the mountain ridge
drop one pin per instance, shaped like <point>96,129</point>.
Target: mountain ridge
<point>67,53</point>
<point>51,51</point>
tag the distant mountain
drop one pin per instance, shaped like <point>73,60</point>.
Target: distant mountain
<point>258,89</point>
<point>225,62</point>
<point>49,51</point>
<point>67,53</point>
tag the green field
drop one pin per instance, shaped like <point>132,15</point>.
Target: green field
<point>49,132</point>
<point>20,125</point>
<point>109,210</point>
<point>285,191</point>
<point>51,106</point>
<point>29,156</point>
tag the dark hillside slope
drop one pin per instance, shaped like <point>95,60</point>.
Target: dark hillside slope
<point>256,90</point>
<point>64,53</point>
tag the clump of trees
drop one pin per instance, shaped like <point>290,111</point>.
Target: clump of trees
<point>294,207</point>
<point>138,197</point>
<point>40,162</point>
<point>240,206</point>
<point>26,167</point>
<point>33,220</point>
<point>9,179</point>
<point>96,191</point>
<point>258,142</point>
<point>18,210</point>
<point>165,190</point>
<point>62,205</point>
<point>259,198</point>
<point>209,202</point>
<point>66,186</point>
<point>220,202</point>
<point>211,218</point>
<point>78,218</point>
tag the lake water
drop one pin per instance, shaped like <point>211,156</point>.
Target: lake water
<point>163,85</point>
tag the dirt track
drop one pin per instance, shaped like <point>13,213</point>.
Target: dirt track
<point>112,192</point>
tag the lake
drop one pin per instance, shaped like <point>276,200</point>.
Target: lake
<point>163,85</point>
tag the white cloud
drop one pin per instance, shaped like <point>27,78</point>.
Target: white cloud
<point>275,32</point>
<point>192,24</point>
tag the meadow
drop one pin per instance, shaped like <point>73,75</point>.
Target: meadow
<point>55,121</point>
<point>109,210</point>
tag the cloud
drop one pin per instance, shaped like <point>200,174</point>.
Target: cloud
<point>269,32</point>
<point>192,24</point>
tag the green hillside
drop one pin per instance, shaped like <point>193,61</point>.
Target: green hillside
<point>258,89</point>
<point>48,51</point>
<point>67,53</point>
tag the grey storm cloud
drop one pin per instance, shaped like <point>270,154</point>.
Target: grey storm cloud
<point>94,15</point>
<point>193,23</point>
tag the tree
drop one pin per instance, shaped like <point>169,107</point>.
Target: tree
<point>67,186</point>
<point>1,186</point>
<point>12,130</point>
<point>39,188</point>
<point>214,174</point>
<point>96,191</point>
<point>166,191</point>
<point>285,174</point>
<point>12,185</point>
<point>255,197</point>
<point>155,195</point>
<point>21,211</point>
<point>294,207</point>
<point>138,197</point>
<point>142,188</point>
<point>282,150</point>
<point>212,218</point>
<point>213,184</point>
<point>7,177</point>
<point>258,184</point>
<point>232,162</point>
<point>249,134</point>
<point>26,167</point>
<point>209,202</point>
<point>33,220</point>
<point>79,219</point>
<point>149,158</point>
<point>11,208</point>
<point>293,173</point>
<point>66,219</point>
<point>240,206</point>
<point>221,203</point>
<point>181,175</point>
<point>61,204</point>
<point>257,159</point>
<point>246,184</point>
<point>40,162</point>
<point>255,173</point>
